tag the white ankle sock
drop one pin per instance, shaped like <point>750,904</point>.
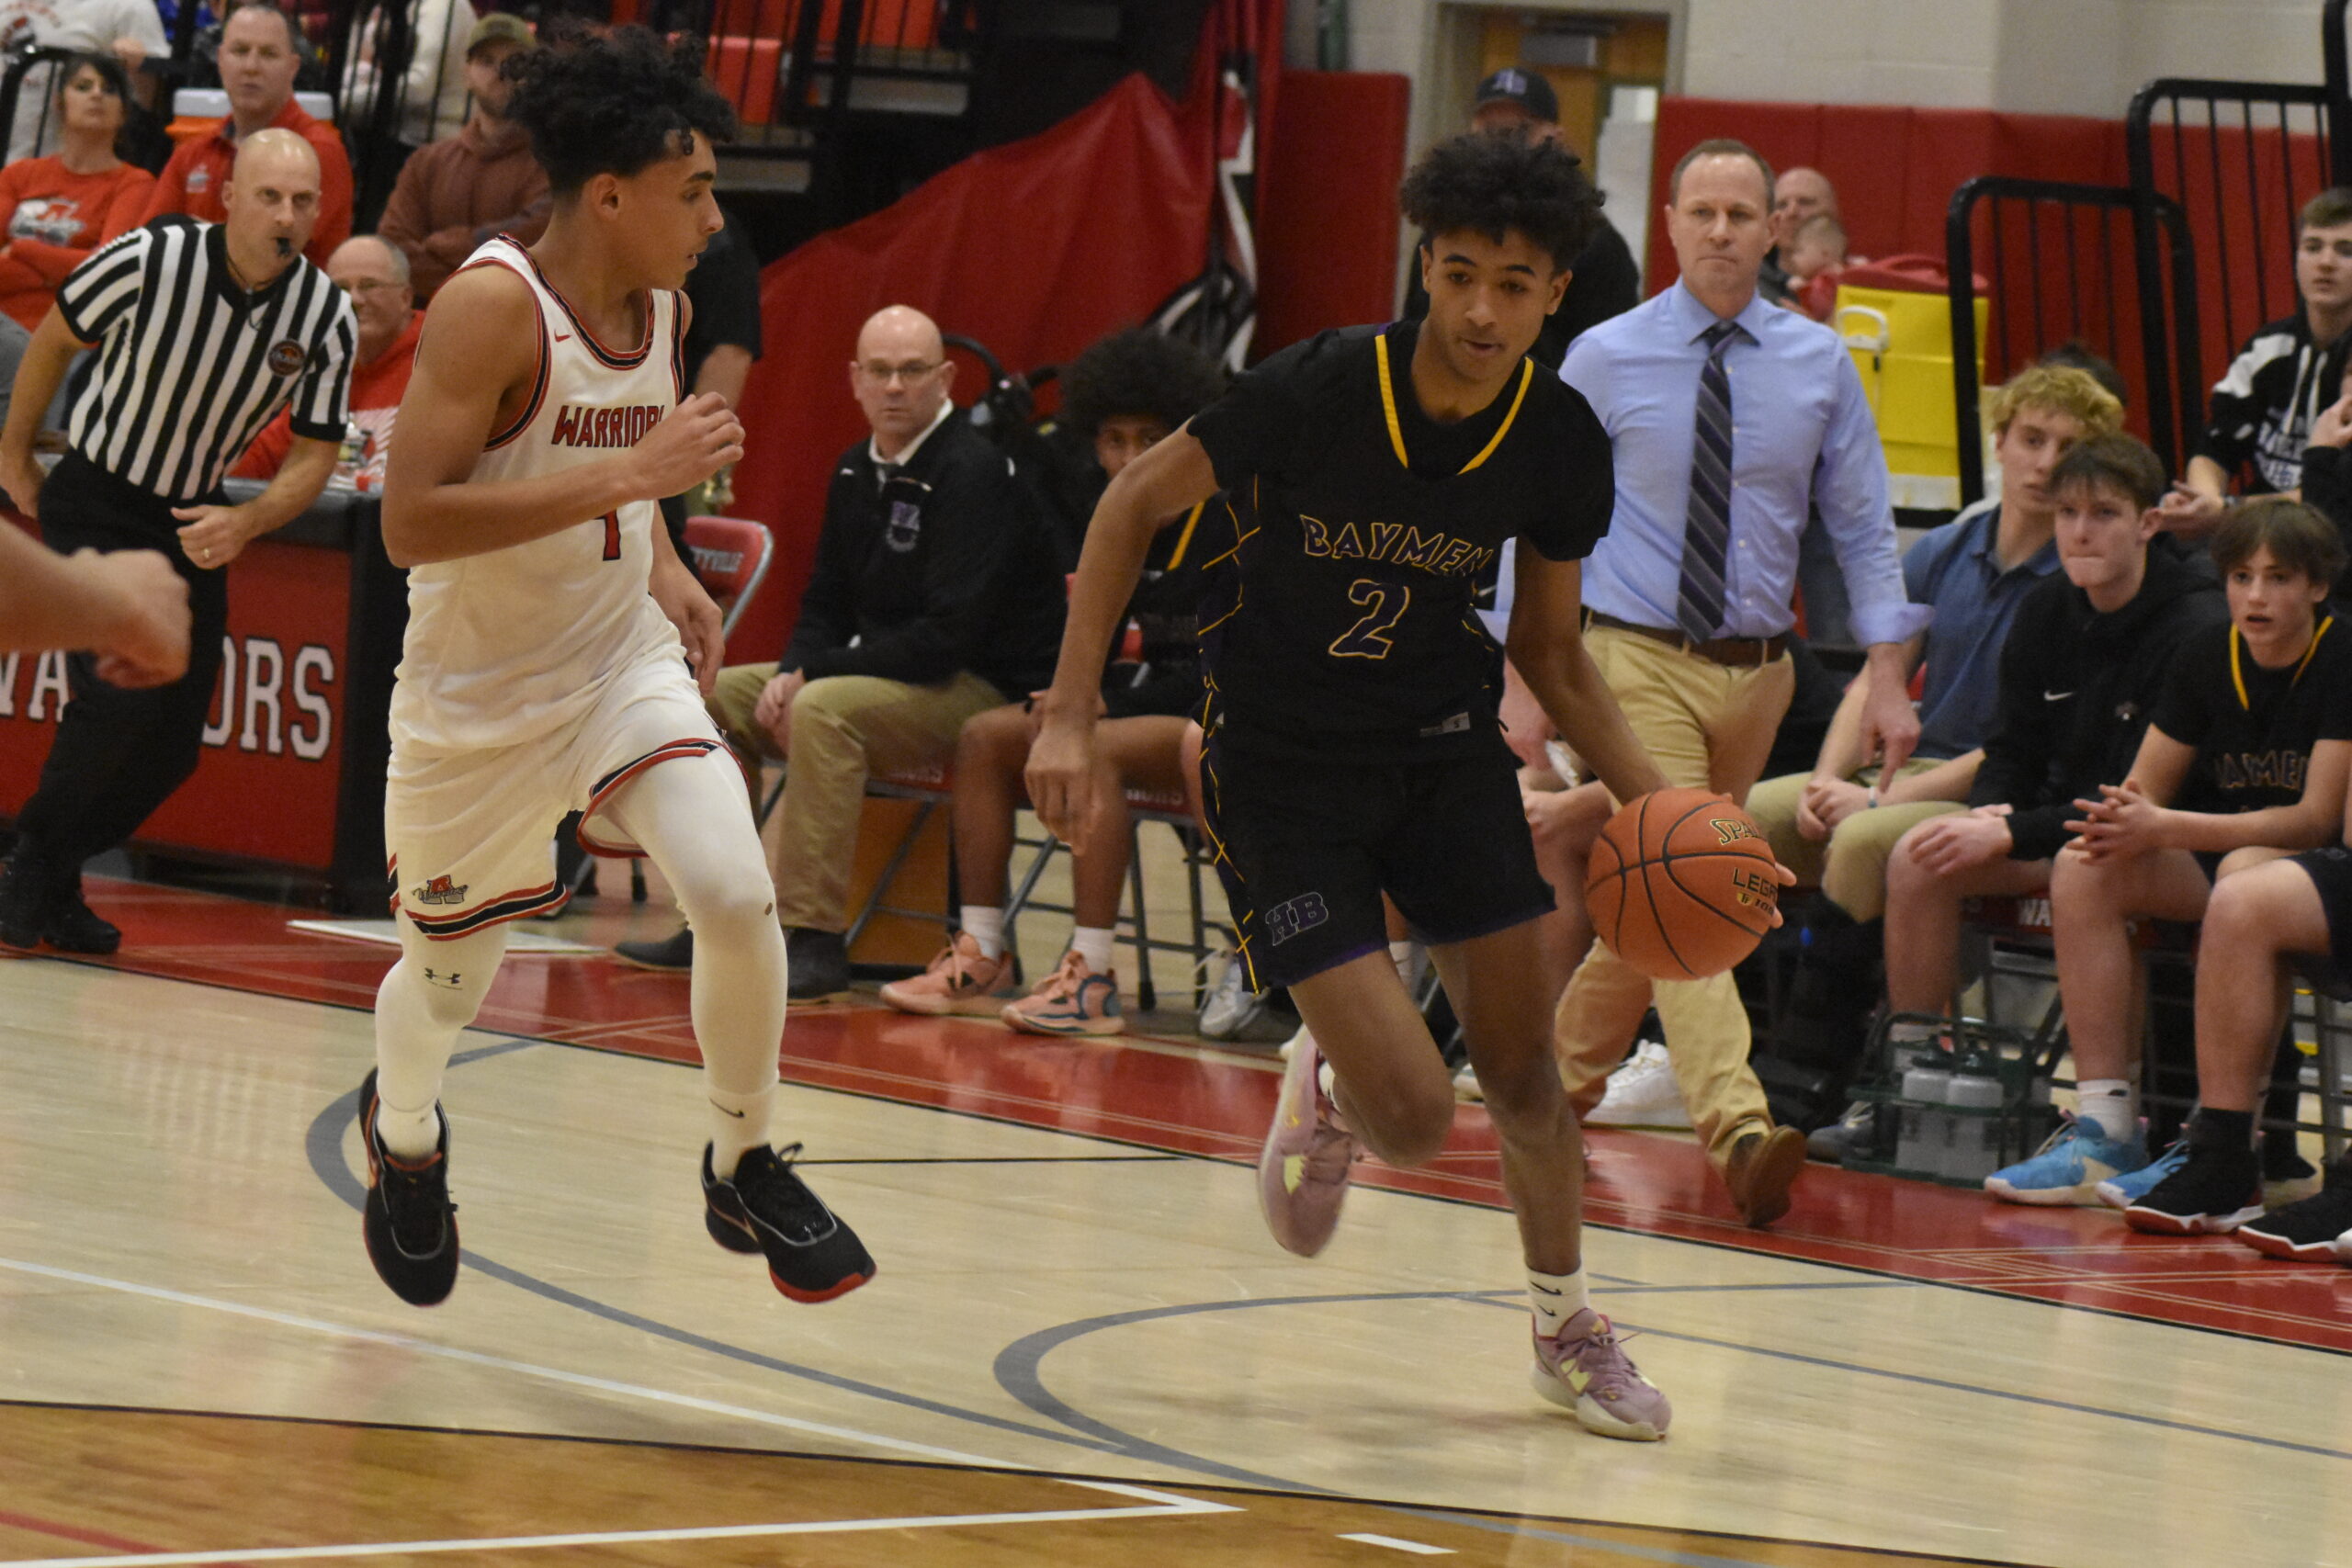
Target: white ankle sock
<point>412,1135</point>
<point>1555,1298</point>
<point>985,925</point>
<point>1093,943</point>
<point>1413,961</point>
<point>738,1123</point>
<point>2110,1104</point>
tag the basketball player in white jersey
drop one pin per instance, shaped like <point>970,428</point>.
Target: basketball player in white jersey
<point>551,628</point>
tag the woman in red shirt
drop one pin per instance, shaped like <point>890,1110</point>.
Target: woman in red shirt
<point>54,211</point>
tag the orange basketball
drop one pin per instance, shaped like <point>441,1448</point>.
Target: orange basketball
<point>1681,885</point>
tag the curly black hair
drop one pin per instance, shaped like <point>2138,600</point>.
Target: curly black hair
<point>1491,183</point>
<point>1136,371</point>
<point>612,103</point>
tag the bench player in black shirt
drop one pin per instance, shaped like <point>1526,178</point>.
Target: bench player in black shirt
<point>1352,741</point>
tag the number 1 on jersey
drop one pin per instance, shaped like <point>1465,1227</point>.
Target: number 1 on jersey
<point>1368,638</point>
<point>612,535</point>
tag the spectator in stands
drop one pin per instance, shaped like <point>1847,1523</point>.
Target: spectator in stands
<point>1815,259</point>
<point>1123,394</point>
<point>934,598</point>
<point>2252,737</point>
<point>2085,661</point>
<point>1837,826</point>
<point>126,30</point>
<point>375,275</point>
<point>482,182</point>
<point>2261,924</point>
<point>433,88</point>
<point>1798,195</point>
<point>261,52</point>
<point>1604,281</point>
<point>55,210</point>
<point>1730,421</point>
<point>2262,411</point>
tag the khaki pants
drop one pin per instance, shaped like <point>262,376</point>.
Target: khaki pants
<point>1851,867</point>
<point>844,728</point>
<point>1709,725</point>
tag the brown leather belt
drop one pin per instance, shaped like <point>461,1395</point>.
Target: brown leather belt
<point>1734,652</point>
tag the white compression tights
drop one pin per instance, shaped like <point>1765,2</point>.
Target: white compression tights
<point>691,817</point>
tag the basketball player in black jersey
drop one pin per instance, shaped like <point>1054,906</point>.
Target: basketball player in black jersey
<point>1353,747</point>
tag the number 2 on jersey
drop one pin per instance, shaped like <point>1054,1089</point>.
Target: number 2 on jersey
<point>612,535</point>
<point>1369,638</point>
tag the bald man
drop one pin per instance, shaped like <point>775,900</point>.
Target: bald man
<point>208,330</point>
<point>936,596</point>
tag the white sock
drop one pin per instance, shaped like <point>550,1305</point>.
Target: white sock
<point>984,924</point>
<point>1093,943</point>
<point>1413,961</point>
<point>1911,1037</point>
<point>1555,1298</point>
<point>2111,1105</point>
<point>410,1134</point>
<point>738,1123</point>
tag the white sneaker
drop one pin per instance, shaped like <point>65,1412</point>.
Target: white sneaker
<point>1465,1084</point>
<point>1642,1093</point>
<point>1232,1010</point>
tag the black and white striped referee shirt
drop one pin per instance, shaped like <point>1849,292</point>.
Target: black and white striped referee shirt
<point>190,365</point>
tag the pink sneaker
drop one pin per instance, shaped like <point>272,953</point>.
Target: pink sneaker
<point>1584,1369</point>
<point>1073,1000</point>
<point>960,980</point>
<point>1303,1170</point>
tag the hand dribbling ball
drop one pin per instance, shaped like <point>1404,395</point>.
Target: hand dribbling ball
<point>1681,885</point>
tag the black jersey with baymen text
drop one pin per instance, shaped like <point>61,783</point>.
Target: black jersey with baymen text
<point>2254,728</point>
<point>1358,529</point>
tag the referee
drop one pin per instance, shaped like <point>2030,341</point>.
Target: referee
<point>204,331</point>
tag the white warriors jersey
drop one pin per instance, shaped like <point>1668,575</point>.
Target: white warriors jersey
<point>507,646</point>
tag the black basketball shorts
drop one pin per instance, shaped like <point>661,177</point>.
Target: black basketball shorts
<point>1305,847</point>
<point>2330,870</point>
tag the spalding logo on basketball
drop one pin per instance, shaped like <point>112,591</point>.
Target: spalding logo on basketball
<point>1681,885</point>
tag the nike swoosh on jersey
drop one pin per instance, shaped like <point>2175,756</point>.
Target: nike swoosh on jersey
<point>563,337</point>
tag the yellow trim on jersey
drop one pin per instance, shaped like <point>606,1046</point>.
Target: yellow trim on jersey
<point>1396,429</point>
<point>1183,540</point>
<point>2237,675</point>
<point>1388,402</point>
<point>1526,375</point>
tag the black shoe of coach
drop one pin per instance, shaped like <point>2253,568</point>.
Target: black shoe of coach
<point>820,965</point>
<point>672,953</point>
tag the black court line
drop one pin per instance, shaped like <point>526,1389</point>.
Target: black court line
<point>1992,1292</point>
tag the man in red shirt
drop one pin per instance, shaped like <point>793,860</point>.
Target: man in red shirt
<point>375,275</point>
<point>260,55</point>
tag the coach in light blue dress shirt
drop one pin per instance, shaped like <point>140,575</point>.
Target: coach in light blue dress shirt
<point>1801,433</point>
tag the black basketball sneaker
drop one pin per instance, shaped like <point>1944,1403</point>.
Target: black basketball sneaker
<point>2317,1230</point>
<point>2214,1192</point>
<point>408,1220</point>
<point>763,1207</point>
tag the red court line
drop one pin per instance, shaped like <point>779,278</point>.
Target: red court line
<point>12,1520</point>
<point>1214,1104</point>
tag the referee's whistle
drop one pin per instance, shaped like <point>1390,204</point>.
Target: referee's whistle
<point>284,247</point>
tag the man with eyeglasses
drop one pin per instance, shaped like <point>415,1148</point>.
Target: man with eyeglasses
<point>374,275</point>
<point>936,596</point>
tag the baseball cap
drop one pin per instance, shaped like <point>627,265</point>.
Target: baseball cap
<point>1525,88</point>
<point>499,26</point>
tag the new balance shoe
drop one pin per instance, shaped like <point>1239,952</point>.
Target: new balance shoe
<point>1303,1169</point>
<point>1584,1367</point>
<point>2317,1230</point>
<point>764,1207</point>
<point>2067,1170</point>
<point>1073,1000</point>
<point>409,1222</point>
<point>2214,1191</point>
<point>962,981</point>
<point>2122,1191</point>
<point>1642,1093</point>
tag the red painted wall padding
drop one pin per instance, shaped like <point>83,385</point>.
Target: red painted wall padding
<point>1327,231</point>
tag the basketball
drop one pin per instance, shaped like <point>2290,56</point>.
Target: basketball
<point>1681,885</point>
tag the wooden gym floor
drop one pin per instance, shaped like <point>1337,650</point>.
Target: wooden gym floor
<point>1081,1349</point>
